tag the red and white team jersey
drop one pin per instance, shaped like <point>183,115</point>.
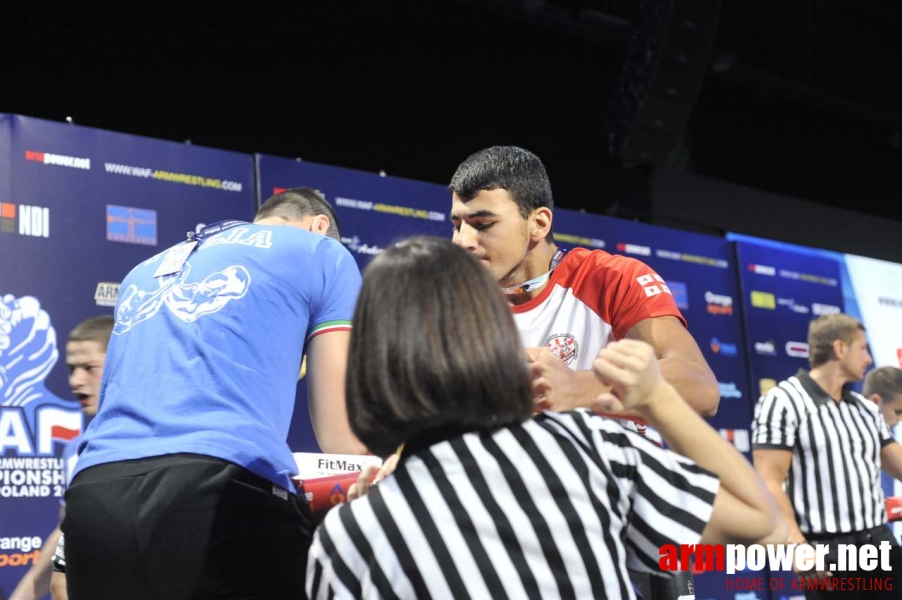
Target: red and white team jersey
<point>591,299</point>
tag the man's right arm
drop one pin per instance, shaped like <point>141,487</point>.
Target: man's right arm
<point>327,358</point>
<point>773,467</point>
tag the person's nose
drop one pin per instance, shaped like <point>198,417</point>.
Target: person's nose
<point>466,237</point>
<point>76,378</point>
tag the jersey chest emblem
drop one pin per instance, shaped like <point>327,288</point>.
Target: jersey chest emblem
<point>564,346</point>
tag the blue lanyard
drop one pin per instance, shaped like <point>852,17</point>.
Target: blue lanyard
<point>213,229</point>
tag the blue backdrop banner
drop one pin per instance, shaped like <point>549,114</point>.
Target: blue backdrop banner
<point>79,208</point>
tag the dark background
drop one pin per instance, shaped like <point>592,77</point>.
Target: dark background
<point>802,98</point>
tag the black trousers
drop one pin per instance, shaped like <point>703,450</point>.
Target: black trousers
<point>182,526</point>
<point>861,584</point>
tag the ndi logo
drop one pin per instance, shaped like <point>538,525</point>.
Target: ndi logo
<point>24,219</point>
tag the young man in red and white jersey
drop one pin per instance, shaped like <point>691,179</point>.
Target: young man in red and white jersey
<point>567,306</point>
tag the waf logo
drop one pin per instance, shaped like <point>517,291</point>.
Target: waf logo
<point>52,425</point>
<point>32,419</point>
<point>653,285</point>
<point>23,219</point>
<point>564,346</point>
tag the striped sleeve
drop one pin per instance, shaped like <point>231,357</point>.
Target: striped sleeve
<point>671,497</point>
<point>339,280</point>
<point>776,420</point>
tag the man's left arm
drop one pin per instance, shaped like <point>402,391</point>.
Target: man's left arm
<point>681,361</point>
<point>557,387</point>
<point>891,460</point>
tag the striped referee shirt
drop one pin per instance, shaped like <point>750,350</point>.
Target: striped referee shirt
<point>834,477</point>
<point>556,507</point>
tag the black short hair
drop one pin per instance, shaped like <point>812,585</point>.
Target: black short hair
<point>514,169</point>
<point>297,203</point>
<point>885,381</point>
<point>433,345</point>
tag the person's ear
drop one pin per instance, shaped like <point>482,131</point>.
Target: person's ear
<point>839,348</point>
<point>540,223</point>
<point>876,399</point>
<point>320,224</point>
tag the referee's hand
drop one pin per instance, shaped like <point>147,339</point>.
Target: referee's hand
<point>631,368</point>
<point>370,476</point>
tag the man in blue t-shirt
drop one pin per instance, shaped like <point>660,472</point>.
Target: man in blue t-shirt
<point>182,487</point>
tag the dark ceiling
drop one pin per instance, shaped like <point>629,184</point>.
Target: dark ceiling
<point>801,99</point>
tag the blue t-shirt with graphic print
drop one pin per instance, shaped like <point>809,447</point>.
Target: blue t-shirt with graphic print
<point>206,360</point>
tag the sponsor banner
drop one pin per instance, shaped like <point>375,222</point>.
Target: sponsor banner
<point>729,390</point>
<point>721,348</point>
<point>60,160</point>
<point>767,348</point>
<point>131,225</point>
<point>784,289</point>
<point>106,293</point>
<point>738,437</point>
<point>764,300</point>
<point>719,304</point>
<point>172,177</point>
<point>680,292</point>
<point>578,240</point>
<point>797,349</point>
<point>24,219</point>
<point>634,249</point>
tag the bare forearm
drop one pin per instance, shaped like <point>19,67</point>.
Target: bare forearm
<point>891,460</point>
<point>694,382</point>
<point>784,505</point>
<point>58,586</point>
<point>36,582</point>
